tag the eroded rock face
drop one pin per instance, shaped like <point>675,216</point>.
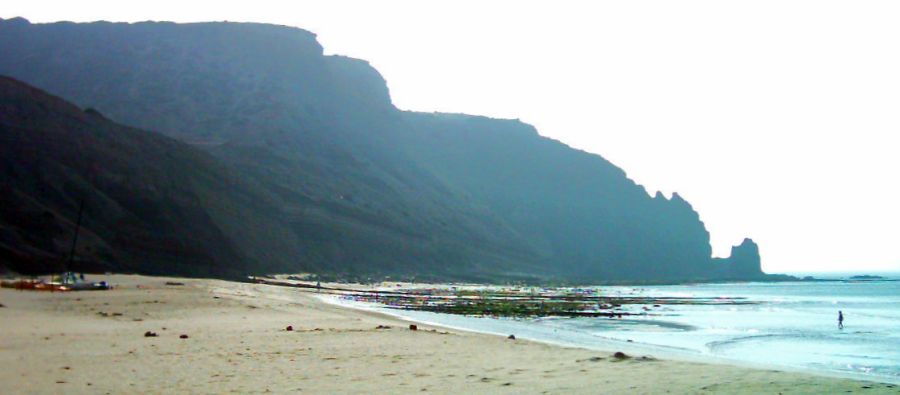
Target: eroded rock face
<point>744,262</point>
<point>300,162</point>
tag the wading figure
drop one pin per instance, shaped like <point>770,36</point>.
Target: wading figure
<point>840,320</point>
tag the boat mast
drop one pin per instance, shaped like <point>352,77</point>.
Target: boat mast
<point>74,242</point>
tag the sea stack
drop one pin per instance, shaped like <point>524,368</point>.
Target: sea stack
<point>744,261</point>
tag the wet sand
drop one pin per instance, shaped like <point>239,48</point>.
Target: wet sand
<point>93,342</point>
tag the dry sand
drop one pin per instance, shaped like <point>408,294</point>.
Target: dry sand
<point>93,342</point>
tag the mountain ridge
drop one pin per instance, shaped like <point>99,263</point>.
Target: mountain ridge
<point>368,189</point>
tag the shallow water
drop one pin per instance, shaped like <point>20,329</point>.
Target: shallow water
<point>793,326</point>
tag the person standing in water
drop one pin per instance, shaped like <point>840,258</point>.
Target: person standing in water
<point>840,320</point>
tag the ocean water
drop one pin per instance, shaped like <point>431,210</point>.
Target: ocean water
<point>793,326</point>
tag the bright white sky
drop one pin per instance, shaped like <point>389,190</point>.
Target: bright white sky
<point>777,120</point>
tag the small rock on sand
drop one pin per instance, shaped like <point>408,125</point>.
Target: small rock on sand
<point>511,337</point>
<point>620,355</point>
<point>382,327</point>
<point>150,334</point>
<point>289,328</point>
<point>413,327</point>
<point>183,337</point>
<point>174,284</point>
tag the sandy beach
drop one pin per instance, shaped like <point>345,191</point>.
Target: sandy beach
<point>94,342</point>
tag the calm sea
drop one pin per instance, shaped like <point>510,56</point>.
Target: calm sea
<point>793,326</point>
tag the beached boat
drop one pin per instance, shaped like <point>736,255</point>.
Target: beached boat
<point>35,285</point>
<point>69,283</point>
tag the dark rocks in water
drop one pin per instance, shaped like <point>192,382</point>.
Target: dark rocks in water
<point>866,277</point>
<point>150,334</point>
<point>413,327</point>
<point>621,355</point>
<point>511,337</point>
<point>289,328</point>
<point>183,337</point>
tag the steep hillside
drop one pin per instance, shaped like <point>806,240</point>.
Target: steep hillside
<point>151,203</point>
<point>579,210</point>
<point>362,187</point>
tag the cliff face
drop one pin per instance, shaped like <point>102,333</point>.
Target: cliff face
<point>362,187</point>
<point>581,213</point>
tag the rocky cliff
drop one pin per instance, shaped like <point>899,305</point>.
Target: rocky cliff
<point>364,188</point>
<point>743,263</point>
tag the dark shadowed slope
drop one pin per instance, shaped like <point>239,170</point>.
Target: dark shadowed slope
<point>362,187</point>
<point>151,204</point>
<point>156,205</point>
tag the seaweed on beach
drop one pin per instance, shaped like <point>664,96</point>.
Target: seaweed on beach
<point>516,302</point>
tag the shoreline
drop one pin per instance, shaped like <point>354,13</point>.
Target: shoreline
<point>609,345</point>
<point>93,342</point>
